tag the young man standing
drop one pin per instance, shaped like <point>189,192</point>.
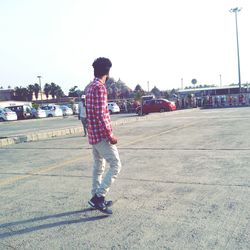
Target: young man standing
<point>100,136</point>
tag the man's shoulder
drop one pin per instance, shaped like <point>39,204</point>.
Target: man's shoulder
<point>97,87</point>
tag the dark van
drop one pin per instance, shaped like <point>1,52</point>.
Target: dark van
<point>22,111</point>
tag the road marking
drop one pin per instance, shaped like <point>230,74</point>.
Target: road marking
<point>62,164</point>
<point>37,172</point>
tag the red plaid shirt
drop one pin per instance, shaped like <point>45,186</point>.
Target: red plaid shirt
<point>98,118</point>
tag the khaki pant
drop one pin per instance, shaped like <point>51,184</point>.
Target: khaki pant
<point>102,152</point>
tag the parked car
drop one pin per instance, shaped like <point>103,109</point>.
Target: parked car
<point>7,115</point>
<point>156,105</point>
<point>52,110</point>
<point>66,110</point>
<point>22,111</point>
<point>113,108</point>
<point>38,113</point>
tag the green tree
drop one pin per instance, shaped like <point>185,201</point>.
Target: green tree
<point>36,90</point>
<point>166,94</point>
<point>31,90</point>
<point>156,92</point>
<point>53,90</point>
<point>123,89</point>
<point>117,89</point>
<point>173,92</point>
<point>138,92</point>
<point>137,96</point>
<point>110,81</point>
<point>58,92</point>
<point>47,89</point>
<point>110,85</point>
<point>73,92</point>
<point>21,94</point>
<point>138,88</point>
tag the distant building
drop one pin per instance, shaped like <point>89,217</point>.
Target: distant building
<point>5,104</point>
<point>6,94</point>
<point>41,96</point>
<point>212,91</point>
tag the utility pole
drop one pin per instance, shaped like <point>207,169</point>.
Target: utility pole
<point>39,77</point>
<point>235,11</point>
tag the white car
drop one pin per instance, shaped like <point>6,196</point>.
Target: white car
<point>7,115</point>
<point>52,110</point>
<point>38,113</point>
<point>113,108</point>
<point>66,110</point>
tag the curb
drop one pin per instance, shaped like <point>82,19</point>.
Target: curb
<point>74,130</point>
<point>39,136</point>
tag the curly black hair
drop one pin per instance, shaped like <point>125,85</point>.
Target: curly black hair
<point>101,66</point>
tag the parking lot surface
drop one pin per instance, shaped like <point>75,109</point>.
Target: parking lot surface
<point>185,184</point>
<point>13,128</point>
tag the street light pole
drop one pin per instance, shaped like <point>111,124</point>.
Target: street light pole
<point>236,10</point>
<point>220,81</point>
<point>39,77</point>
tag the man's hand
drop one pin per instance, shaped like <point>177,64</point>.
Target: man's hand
<point>113,140</point>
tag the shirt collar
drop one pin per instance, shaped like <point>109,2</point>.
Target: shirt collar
<point>98,80</point>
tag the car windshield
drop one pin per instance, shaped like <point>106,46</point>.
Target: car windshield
<point>28,109</point>
<point>112,104</point>
<point>7,110</point>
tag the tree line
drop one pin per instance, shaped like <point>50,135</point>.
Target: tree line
<point>26,93</point>
<point>119,90</point>
<point>116,90</point>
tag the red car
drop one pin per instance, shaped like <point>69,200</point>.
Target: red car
<point>156,105</point>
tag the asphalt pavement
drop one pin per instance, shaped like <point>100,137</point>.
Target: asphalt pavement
<point>14,132</point>
<point>184,184</point>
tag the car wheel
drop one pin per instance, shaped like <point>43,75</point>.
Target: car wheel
<point>1,119</point>
<point>162,110</point>
<point>50,115</point>
<point>110,112</point>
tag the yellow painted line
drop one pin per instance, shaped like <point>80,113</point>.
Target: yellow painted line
<point>36,172</point>
<point>64,163</point>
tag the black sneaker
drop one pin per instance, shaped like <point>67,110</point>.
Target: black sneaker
<point>108,203</point>
<point>94,200</point>
<point>100,204</point>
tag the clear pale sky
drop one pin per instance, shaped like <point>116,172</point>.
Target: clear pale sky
<point>155,41</point>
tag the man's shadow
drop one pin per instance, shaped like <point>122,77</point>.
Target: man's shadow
<point>9,228</point>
